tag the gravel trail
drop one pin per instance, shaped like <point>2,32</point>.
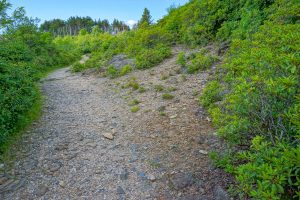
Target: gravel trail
<point>89,145</point>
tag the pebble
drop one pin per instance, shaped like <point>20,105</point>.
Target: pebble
<point>42,190</point>
<point>120,190</point>
<point>62,184</point>
<point>108,136</point>
<point>203,152</point>
<point>173,116</point>
<point>151,177</point>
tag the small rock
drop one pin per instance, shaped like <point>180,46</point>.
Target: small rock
<point>220,194</point>
<point>203,152</point>
<point>42,190</point>
<point>182,180</point>
<point>92,145</point>
<point>173,116</point>
<point>108,136</point>
<point>62,184</point>
<point>208,119</point>
<point>151,177</point>
<point>120,190</point>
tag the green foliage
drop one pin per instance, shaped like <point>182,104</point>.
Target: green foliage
<point>271,172</point>
<point>181,60</point>
<point>141,90</point>
<point>78,67</point>
<point>134,102</point>
<point>159,88</point>
<point>200,62</point>
<point>151,57</point>
<point>112,71</point>
<point>132,83</point>
<point>167,96</point>
<point>135,109</point>
<point>125,70</point>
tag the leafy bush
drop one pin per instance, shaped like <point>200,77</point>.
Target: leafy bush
<point>271,172</point>
<point>151,57</point>
<point>200,62</point>
<point>77,67</point>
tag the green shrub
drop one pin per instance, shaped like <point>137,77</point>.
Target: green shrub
<point>125,70</point>
<point>151,57</point>
<point>200,62</point>
<point>78,67</point>
<point>181,60</point>
<point>112,71</point>
<point>271,172</point>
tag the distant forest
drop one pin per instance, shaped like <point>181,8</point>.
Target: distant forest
<point>73,25</point>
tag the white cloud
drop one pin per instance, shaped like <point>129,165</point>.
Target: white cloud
<point>131,23</point>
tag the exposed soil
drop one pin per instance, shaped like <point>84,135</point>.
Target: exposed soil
<point>159,152</point>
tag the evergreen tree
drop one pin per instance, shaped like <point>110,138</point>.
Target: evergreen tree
<point>146,20</point>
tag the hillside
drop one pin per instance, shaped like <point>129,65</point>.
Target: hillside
<point>238,58</point>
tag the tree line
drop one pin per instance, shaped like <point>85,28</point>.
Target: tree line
<point>73,25</point>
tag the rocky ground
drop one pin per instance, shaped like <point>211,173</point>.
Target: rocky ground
<point>123,138</point>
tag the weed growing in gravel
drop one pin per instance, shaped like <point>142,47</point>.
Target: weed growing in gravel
<point>134,102</point>
<point>112,72</point>
<point>195,93</point>
<point>125,70</point>
<point>164,77</point>
<point>134,109</point>
<point>132,83</point>
<point>162,113</point>
<point>141,90</point>
<point>171,89</point>
<point>159,88</point>
<point>167,96</point>
<point>183,77</point>
<point>181,60</point>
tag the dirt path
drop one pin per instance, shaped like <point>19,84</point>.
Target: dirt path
<point>159,152</point>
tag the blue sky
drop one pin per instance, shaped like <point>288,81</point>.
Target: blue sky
<point>124,10</point>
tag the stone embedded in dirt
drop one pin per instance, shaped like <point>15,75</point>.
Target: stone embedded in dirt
<point>151,177</point>
<point>208,119</point>
<point>173,116</point>
<point>108,136</point>
<point>120,190</point>
<point>203,152</point>
<point>42,190</point>
<point>182,180</point>
<point>220,194</point>
<point>92,144</point>
<point>62,184</point>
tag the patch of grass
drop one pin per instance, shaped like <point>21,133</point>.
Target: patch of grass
<point>159,88</point>
<point>141,90</point>
<point>195,93</point>
<point>134,109</point>
<point>164,77</point>
<point>125,70</point>
<point>132,83</point>
<point>162,113</point>
<point>171,89</point>
<point>154,164</point>
<point>134,102</point>
<point>183,77</point>
<point>112,71</point>
<point>167,96</point>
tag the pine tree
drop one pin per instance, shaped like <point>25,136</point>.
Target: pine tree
<point>145,20</point>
